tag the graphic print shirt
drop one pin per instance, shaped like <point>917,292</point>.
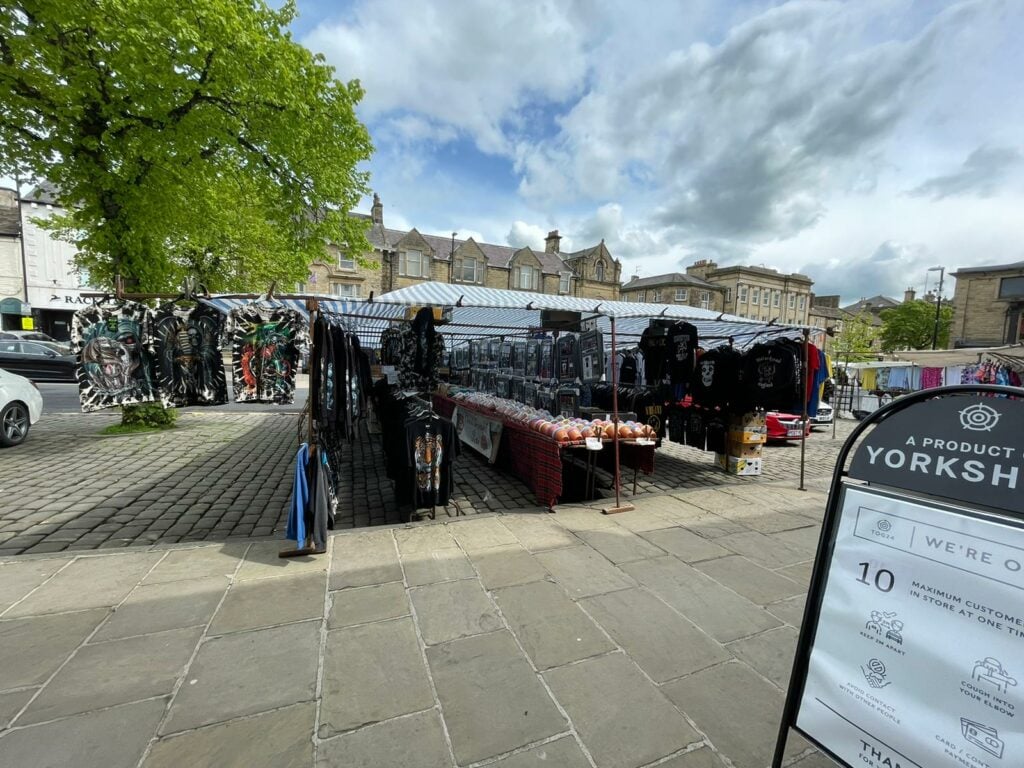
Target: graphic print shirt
<point>432,446</point>
<point>188,344</point>
<point>265,353</point>
<point>114,346</point>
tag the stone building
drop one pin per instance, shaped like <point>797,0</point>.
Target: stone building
<point>401,258</point>
<point>759,293</point>
<point>12,279</point>
<point>675,288</point>
<point>988,306</point>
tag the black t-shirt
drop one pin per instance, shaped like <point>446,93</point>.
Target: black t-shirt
<point>770,375</point>
<point>716,377</point>
<point>568,358</point>
<point>188,343</point>
<point>627,371</point>
<point>650,409</point>
<point>432,447</point>
<point>654,342</point>
<point>716,434</point>
<point>682,352</point>
<point>696,429</point>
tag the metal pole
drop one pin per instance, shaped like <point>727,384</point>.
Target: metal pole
<point>615,436</point>
<point>938,309</point>
<point>803,395</point>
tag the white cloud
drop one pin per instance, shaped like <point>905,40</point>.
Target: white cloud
<point>471,66</point>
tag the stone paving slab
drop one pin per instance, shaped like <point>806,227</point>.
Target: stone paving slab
<point>33,648</point>
<point>455,609</point>
<point>278,739</point>
<point>623,718</point>
<point>642,625</point>
<point>468,673</point>
<point>563,752</point>
<point>371,673</point>
<point>414,740</point>
<point>551,628</point>
<point>365,604</point>
<point>165,605</point>
<point>584,572</point>
<point>757,584</point>
<point>506,567</point>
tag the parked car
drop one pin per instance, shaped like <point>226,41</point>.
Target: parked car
<point>35,361</point>
<point>21,405</point>
<point>786,426</point>
<point>64,347</point>
<point>824,416</point>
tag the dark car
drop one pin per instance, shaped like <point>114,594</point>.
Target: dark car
<point>64,347</point>
<point>36,361</point>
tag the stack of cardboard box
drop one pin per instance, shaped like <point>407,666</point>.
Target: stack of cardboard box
<point>747,433</point>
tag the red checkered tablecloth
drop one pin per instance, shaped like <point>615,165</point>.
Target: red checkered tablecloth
<point>536,459</point>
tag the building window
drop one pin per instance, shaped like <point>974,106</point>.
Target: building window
<point>680,294</point>
<point>413,263</point>
<point>346,290</point>
<point>564,282</point>
<point>755,295</point>
<point>802,305</point>
<point>791,301</point>
<point>765,295</point>
<point>776,298</point>
<point>346,262</point>
<point>468,271</point>
<point>728,295</point>
<point>300,287</point>
<point>526,278</point>
<point>1011,287</point>
<point>599,271</point>
<point>656,296</point>
<point>641,295</point>
<point>742,294</point>
<point>705,299</point>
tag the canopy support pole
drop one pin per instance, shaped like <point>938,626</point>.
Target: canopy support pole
<point>803,396</point>
<point>619,507</point>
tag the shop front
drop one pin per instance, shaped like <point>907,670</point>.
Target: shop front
<point>15,315</point>
<point>53,309</point>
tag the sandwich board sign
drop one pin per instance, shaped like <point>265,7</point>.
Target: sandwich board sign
<point>911,653</point>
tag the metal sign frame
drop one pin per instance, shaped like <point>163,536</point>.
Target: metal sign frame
<point>830,528</point>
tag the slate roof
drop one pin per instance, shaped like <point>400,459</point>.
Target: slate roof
<point>498,256</point>
<point>873,304</point>
<point>45,192</point>
<point>674,278</point>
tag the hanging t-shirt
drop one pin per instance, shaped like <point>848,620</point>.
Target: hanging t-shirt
<point>654,342</point>
<point>423,353</point>
<point>627,369</point>
<point>682,353</point>
<point>568,358</point>
<point>116,364</point>
<point>770,375</point>
<point>188,345</point>
<point>432,447</point>
<point>265,353</point>
<point>391,346</point>
<point>716,377</point>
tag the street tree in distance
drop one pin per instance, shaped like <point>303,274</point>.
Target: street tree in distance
<point>911,325</point>
<point>856,342</point>
<point>184,138</point>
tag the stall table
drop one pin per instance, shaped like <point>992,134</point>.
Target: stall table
<point>536,459</point>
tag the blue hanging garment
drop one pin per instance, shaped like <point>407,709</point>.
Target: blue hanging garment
<point>296,528</point>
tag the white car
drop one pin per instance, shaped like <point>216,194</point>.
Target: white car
<point>21,405</point>
<point>824,416</point>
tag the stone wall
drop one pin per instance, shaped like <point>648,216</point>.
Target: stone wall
<point>979,315</point>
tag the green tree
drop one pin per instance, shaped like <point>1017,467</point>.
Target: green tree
<point>856,343</point>
<point>911,325</point>
<point>185,138</point>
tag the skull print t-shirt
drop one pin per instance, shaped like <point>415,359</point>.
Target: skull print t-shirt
<point>265,353</point>
<point>114,346</point>
<point>188,348</point>
<point>715,377</point>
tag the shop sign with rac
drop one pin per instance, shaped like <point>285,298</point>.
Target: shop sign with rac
<point>972,452</point>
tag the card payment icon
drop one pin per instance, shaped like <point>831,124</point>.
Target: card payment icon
<point>982,736</point>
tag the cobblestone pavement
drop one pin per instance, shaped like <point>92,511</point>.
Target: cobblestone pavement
<point>227,475</point>
<point>658,637</point>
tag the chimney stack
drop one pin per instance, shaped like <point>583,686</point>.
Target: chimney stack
<point>553,242</point>
<point>377,211</point>
<point>909,295</point>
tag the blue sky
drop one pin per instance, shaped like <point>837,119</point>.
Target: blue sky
<point>859,142</point>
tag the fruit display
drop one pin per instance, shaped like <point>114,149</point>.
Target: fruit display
<point>566,431</point>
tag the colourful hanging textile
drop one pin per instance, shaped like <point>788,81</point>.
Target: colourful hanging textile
<point>931,378</point>
<point>869,378</point>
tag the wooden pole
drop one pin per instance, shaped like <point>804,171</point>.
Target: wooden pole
<point>803,395</point>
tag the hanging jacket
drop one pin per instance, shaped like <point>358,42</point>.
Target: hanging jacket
<point>296,527</point>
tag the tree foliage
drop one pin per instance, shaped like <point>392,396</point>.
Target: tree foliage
<point>912,324</point>
<point>185,138</point>
<point>856,343</point>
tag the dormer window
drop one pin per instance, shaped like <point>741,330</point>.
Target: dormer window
<point>468,270</point>
<point>526,278</point>
<point>413,263</point>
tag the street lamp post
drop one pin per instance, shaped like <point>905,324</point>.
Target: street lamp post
<point>451,259</point>
<point>938,305</point>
